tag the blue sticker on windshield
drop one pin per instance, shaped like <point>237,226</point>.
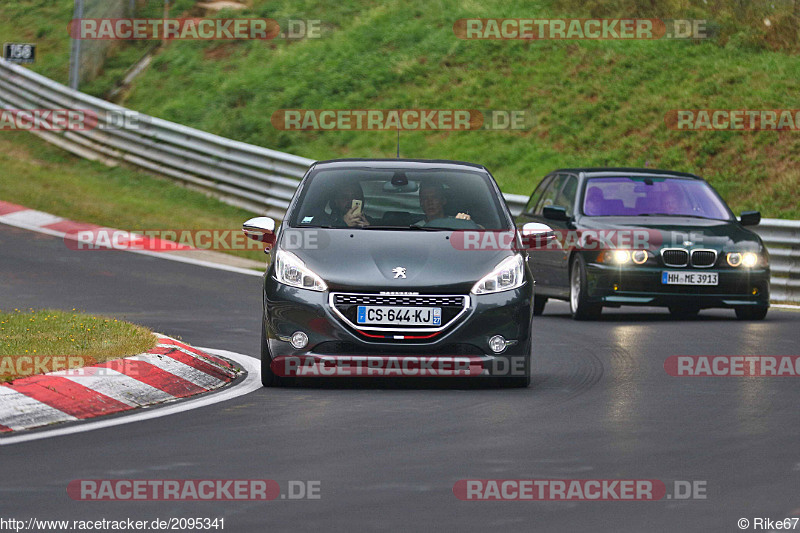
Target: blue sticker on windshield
<point>306,220</point>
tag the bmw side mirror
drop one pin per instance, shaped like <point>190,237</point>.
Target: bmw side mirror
<point>261,229</point>
<point>555,212</point>
<point>750,218</point>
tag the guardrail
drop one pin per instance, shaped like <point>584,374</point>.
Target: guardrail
<point>782,238</point>
<point>254,178</point>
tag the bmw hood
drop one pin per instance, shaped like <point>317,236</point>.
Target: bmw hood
<point>720,235</point>
<point>389,260</point>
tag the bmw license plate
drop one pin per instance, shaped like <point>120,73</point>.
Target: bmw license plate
<point>689,278</point>
<point>399,316</point>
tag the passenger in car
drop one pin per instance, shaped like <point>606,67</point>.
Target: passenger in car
<point>673,204</point>
<point>343,213</point>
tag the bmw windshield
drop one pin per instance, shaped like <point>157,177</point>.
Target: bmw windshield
<point>421,200</point>
<point>645,196</point>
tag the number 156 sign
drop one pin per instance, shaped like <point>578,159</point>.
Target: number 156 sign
<point>19,53</point>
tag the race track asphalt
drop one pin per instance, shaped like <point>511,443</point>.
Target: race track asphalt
<point>601,406</point>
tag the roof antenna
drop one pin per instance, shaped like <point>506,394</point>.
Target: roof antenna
<point>398,143</point>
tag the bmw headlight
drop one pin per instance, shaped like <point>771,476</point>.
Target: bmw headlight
<point>507,275</point>
<point>745,259</point>
<point>290,270</point>
<point>749,259</point>
<point>623,257</point>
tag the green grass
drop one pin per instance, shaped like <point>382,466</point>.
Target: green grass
<point>34,342</point>
<point>40,176</point>
<point>594,103</point>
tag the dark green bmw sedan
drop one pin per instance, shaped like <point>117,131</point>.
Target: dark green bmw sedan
<point>626,236</point>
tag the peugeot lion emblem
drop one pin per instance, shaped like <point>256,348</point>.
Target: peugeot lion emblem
<point>399,272</point>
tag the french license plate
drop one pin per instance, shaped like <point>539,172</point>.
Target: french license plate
<point>689,278</point>
<point>399,316</point>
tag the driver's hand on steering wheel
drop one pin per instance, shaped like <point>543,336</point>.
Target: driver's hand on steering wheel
<point>464,216</point>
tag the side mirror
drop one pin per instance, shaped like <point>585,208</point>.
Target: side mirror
<point>261,229</point>
<point>536,235</point>
<point>750,218</point>
<point>555,212</point>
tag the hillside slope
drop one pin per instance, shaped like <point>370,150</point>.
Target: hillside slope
<point>593,103</point>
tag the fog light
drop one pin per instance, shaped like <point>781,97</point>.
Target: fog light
<point>755,291</point>
<point>497,343</point>
<point>616,287</point>
<point>299,340</point>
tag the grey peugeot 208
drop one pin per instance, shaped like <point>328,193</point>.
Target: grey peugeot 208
<point>366,270</point>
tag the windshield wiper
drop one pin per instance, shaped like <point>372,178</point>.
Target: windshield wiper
<point>411,227</point>
<point>427,228</point>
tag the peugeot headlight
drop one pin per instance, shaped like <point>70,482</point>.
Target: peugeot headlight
<point>290,270</point>
<point>507,275</point>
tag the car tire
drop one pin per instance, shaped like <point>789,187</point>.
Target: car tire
<point>752,313</point>
<point>268,377</point>
<point>538,304</point>
<point>684,311</point>
<point>579,305</point>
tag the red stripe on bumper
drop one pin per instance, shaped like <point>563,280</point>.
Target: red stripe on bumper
<point>397,335</point>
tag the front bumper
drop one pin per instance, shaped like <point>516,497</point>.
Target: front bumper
<point>331,340</point>
<point>641,285</point>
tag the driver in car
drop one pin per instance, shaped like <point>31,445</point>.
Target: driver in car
<point>432,200</point>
